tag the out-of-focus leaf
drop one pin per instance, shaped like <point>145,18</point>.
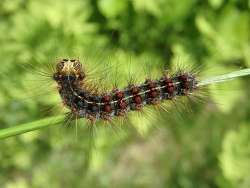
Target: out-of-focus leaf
<point>112,8</point>
<point>235,156</point>
<point>215,3</point>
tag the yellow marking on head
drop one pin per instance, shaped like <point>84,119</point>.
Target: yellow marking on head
<point>70,67</point>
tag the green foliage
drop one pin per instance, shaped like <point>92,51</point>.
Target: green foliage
<point>235,159</point>
<point>203,148</point>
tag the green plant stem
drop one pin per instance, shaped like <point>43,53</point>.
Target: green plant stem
<point>224,77</point>
<point>27,127</point>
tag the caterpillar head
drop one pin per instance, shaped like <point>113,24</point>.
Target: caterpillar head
<point>69,69</point>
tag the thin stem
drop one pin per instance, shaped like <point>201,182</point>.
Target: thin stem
<point>224,77</point>
<point>27,127</point>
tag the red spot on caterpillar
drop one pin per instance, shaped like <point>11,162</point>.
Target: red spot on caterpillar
<point>169,85</point>
<point>135,90</point>
<point>106,98</point>
<point>107,108</point>
<point>122,104</point>
<point>119,94</point>
<point>153,93</point>
<point>138,102</point>
<point>184,81</point>
<point>138,99</point>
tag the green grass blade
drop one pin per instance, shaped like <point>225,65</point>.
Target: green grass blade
<point>27,127</point>
<point>224,77</point>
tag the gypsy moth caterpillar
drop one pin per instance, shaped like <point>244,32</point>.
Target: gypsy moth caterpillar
<point>100,89</point>
<point>84,103</point>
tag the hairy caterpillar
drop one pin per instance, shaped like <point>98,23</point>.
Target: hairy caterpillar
<point>86,103</point>
<point>91,100</point>
<point>86,98</point>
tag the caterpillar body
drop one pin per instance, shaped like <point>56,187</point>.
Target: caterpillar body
<point>70,78</point>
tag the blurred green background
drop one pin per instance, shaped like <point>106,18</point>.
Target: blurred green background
<point>209,147</point>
